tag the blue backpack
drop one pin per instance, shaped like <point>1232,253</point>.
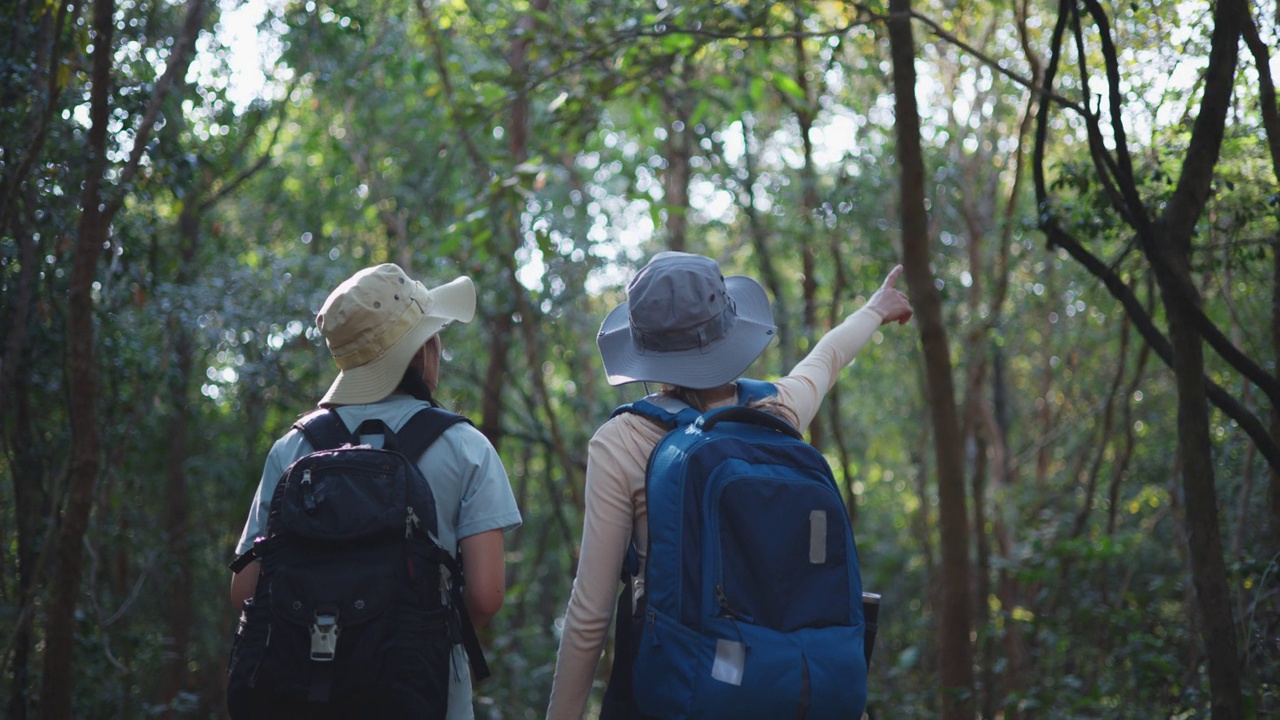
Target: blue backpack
<point>753,595</point>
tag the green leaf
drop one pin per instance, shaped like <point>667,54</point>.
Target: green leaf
<point>789,86</point>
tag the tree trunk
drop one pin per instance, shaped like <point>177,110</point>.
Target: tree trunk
<point>804,113</point>
<point>1204,534</point>
<point>82,385</point>
<point>955,616</point>
<point>93,233</point>
<point>181,611</point>
<point>495,376</point>
<point>32,485</point>
<point>30,501</point>
<point>1169,245</point>
<point>760,242</point>
<point>677,151</point>
<point>1271,122</point>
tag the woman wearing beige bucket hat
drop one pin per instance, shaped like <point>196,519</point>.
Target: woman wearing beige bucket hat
<point>382,328</point>
<point>693,331</point>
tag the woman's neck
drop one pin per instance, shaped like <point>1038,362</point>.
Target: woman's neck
<point>718,396</point>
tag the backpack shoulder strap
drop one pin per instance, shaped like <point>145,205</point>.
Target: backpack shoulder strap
<point>414,437</point>
<point>752,390</point>
<point>424,428</point>
<point>673,413</point>
<point>324,429</point>
<point>663,409</point>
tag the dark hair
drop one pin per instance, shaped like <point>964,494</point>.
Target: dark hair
<point>413,384</point>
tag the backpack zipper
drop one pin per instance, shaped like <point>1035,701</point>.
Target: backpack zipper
<point>411,521</point>
<point>802,711</point>
<point>253,677</point>
<point>653,629</point>
<point>723,601</point>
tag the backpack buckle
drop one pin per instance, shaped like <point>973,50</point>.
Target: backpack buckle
<point>324,635</point>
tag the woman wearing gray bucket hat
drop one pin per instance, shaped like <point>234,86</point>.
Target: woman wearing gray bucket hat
<point>695,332</point>
<point>382,328</point>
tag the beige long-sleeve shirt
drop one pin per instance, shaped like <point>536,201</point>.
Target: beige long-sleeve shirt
<point>616,510</point>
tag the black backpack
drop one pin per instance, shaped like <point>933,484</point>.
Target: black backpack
<point>352,616</point>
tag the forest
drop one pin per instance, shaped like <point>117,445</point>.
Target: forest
<point>1063,474</point>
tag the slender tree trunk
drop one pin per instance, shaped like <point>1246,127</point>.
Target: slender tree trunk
<point>804,113</point>
<point>519,129</point>
<point>1204,535</point>
<point>955,616</point>
<point>181,611</point>
<point>1273,474</point>
<point>19,199</point>
<point>760,242</point>
<point>1170,244</point>
<point>93,233</point>
<point>1104,439</point>
<point>82,385</point>
<point>27,472</point>
<point>1008,589</point>
<point>501,322</point>
<point>495,376</point>
<point>1045,401</point>
<point>677,151</point>
<point>30,507</point>
<point>987,650</point>
<point>1271,122</point>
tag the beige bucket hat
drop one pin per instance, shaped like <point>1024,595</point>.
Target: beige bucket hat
<point>376,320</point>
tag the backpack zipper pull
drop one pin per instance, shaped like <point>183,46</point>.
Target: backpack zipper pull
<point>723,601</point>
<point>410,522</point>
<point>308,500</point>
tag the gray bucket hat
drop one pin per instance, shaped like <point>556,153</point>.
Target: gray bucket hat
<point>685,324</point>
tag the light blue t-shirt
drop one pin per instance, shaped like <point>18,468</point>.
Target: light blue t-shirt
<point>472,493</point>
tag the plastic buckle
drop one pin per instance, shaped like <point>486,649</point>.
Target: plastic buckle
<point>324,636</point>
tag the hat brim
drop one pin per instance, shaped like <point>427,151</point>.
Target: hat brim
<point>452,302</point>
<point>699,368</point>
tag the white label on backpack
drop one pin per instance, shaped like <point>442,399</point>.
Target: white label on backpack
<point>731,656</point>
<point>817,537</point>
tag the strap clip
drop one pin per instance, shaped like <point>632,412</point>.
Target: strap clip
<point>324,635</point>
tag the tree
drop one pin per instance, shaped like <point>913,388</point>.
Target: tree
<point>97,208</point>
<point>485,140</point>
<point>955,653</point>
<point>1165,238</point>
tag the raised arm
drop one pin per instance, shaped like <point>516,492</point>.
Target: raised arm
<point>810,380</point>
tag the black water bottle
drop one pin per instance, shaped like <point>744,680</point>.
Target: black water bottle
<point>871,611</point>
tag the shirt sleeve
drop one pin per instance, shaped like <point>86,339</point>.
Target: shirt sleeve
<point>285,450</point>
<point>614,458</point>
<point>487,502</point>
<point>813,377</point>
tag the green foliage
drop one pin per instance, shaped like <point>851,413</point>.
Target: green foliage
<point>389,133</point>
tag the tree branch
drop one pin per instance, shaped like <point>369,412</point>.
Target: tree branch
<point>1222,399</point>
<point>176,68</point>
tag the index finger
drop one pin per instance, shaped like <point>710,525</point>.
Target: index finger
<point>893,276</point>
